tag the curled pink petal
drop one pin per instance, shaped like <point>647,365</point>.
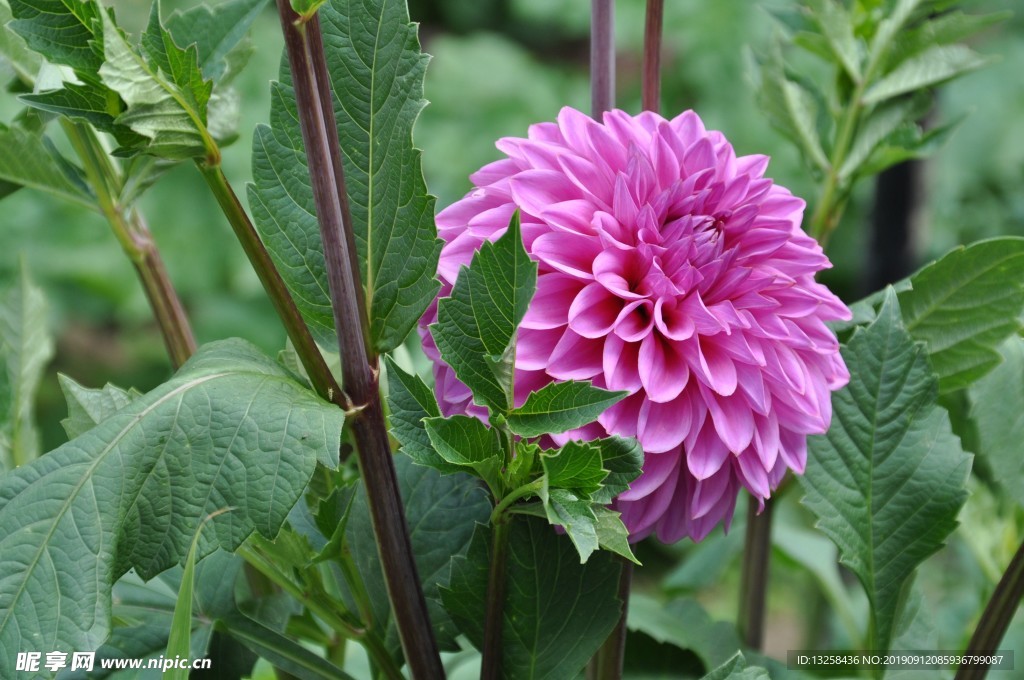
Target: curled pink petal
<point>671,269</point>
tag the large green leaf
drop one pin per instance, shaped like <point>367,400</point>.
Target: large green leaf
<point>558,407</point>
<point>28,159</point>
<point>476,325</point>
<point>931,67</point>
<point>887,481</point>
<point>997,407</point>
<point>683,623</point>
<point>25,349</point>
<point>63,31</point>
<point>964,305</point>
<point>376,72</point>
<point>557,611</point>
<point>442,512</point>
<point>231,429</point>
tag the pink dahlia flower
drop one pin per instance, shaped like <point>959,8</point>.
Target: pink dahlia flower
<point>674,270</point>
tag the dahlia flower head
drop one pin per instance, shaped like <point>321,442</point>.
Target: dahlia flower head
<point>673,270</point>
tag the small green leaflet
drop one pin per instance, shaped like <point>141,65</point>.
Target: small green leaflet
<point>476,325</point>
<point>887,481</point>
<point>410,401</point>
<point>465,441</point>
<point>28,159</point>
<point>220,34</point>
<point>214,436</point>
<point>88,408</point>
<point>931,67</point>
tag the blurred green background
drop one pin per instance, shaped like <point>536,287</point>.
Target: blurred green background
<point>499,65</point>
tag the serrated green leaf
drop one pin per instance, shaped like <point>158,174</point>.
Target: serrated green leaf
<point>612,534</point>
<point>572,511</point>
<point>442,512</point>
<point>878,126</point>
<point>577,465</point>
<point>557,611</point>
<point>964,305</point>
<point>562,406</point>
<point>28,159</point>
<point>623,459</point>
<point>908,142</point>
<point>219,33</point>
<point>13,49</point>
<point>887,481</point>
<point>944,29</point>
<point>476,325</point>
<point>25,349</point>
<point>376,70</point>
<point>521,467</point>
<point>997,406</point>
<point>931,67</point>
<point>230,429</point>
<point>466,442</point>
<point>166,96</point>
<point>87,408</point>
<point>410,401</point>
<point>90,103</point>
<point>837,27</point>
<point>63,31</point>
<point>791,108</point>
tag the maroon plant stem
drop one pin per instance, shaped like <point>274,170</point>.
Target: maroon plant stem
<point>651,92</point>
<point>359,363</point>
<point>996,618</point>
<point>602,57</point>
<point>754,580</point>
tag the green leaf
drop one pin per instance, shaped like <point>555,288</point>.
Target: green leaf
<point>572,511</point>
<point>307,8</point>
<point>87,408</point>
<point>28,159</point>
<point>964,305</point>
<point>442,512</point>
<point>230,429</point>
<point>166,96</point>
<point>685,624</point>
<point>943,29</point>
<point>887,481</point>
<point>220,34</point>
<point>557,611</point>
<point>879,125</point>
<point>25,349</point>
<point>464,441</point>
<point>475,329</point>
<point>997,406</point>
<point>13,49</point>
<point>410,401</point>
<point>736,668</point>
<point>791,108</point>
<point>931,67</point>
<point>562,406</point>
<point>63,31</point>
<point>180,637</point>
<point>282,652</point>
<point>623,459</point>
<point>577,466</point>
<point>612,533</point>
<point>376,68</point>
<point>837,27</point>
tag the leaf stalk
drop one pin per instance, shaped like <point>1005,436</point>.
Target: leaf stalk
<point>360,373</point>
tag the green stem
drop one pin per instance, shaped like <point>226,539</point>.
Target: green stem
<point>607,664</point>
<point>522,492</point>
<point>136,240</point>
<point>309,354</point>
<point>996,618</point>
<point>754,580</point>
<point>496,583</point>
<point>359,362</point>
<point>320,607</point>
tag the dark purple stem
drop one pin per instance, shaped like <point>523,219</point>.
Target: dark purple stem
<point>608,663</point>
<point>996,618</point>
<point>358,361</point>
<point>602,57</point>
<point>652,55</point>
<point>754,580</point>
